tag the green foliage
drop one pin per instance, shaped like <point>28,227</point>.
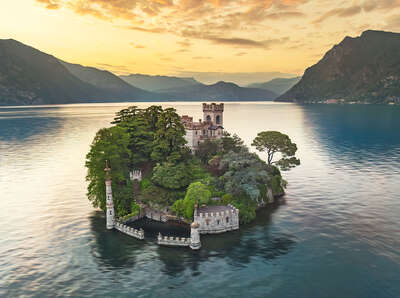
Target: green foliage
<point>231,143</point>
<point>244,172</point>
<point>247,208</point>
<point>144,183</point>
<point>169,142</point>
<point>171,176</point>
<point>226,199</point>
<point>273,142</point>
<point>276,185</point>
<point>135,208</point>
<point>109,144</point>
<point>197,193</point>
<point>157,196</point>
<point>207,149</point>
<point>179,208</point>
<point>127,115</point>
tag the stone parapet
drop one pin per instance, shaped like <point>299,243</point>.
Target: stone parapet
<point>217,219</point>
<point>138,234</point>
<point>172,241</point>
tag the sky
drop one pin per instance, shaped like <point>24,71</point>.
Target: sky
<point>194,37</point>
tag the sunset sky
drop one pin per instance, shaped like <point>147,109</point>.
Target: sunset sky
<point>185,37</point>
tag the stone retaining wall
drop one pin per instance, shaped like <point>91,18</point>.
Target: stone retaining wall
<point>138,234</point>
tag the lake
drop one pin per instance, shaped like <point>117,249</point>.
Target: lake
<point>336,233</point>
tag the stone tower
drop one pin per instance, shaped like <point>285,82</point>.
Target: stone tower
<point>194,236</point>
<point>109,199</point>
<point>213,113</point>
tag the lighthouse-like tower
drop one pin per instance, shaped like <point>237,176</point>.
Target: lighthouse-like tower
<point>109,199</point>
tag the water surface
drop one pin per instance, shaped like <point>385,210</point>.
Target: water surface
<point>336,234</point>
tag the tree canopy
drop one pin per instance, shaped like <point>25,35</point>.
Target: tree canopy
<point>273,142</point>
<point>109,144</point>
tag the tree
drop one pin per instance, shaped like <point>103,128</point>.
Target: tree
<point>172,176</point>
<point>244,173</point>
<point>231,143</point>
<point>110,144</point>
<point>140,140</point>
<point>207,150</point>
<point>152,114</point>
<point>169,141</point>
<point>273,142</point>
<point>197,193</point>
<point>127,114</point>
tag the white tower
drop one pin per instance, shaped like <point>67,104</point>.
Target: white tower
<point>109,199</point>
<point>194,236</point>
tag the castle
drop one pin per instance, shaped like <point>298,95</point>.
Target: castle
<point>211,127</point>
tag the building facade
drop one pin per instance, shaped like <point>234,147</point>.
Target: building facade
<point>208,128</point>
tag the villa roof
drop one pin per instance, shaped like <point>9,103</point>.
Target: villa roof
<point>215,127</point>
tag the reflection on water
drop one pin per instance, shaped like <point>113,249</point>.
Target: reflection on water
<point>336,234</point>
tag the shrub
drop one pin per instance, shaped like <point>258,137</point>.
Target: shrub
<point>226,199</point>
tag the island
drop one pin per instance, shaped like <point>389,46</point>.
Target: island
<point>169,168</point>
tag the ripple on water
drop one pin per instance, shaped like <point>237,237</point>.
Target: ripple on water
<point>336,230</point>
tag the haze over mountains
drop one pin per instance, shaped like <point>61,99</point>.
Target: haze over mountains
<point>278,85</point>
<point>362,69</point>
<point>158,83</point>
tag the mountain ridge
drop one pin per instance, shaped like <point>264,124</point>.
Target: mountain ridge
<point>219,91</point>
<point>277,85</point>
<point>155,83</point>
<point>358,69</point>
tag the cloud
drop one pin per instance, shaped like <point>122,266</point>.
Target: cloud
<point>241,54</point>
<point>137,46</point>
<point>340,12</point>
<point>201,58</point>
<point>50,4</point>
<point>234,41</point>
<point>148,30</point>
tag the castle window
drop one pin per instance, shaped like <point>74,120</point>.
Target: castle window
<point>110,212</point>
<point>204,132</point>
<point>208,118</point>
<point>196,132</point>
<point>218,119</point>
<point>218,222</point>
<point>227,219</point>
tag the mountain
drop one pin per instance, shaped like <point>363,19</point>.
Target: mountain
<point>106,81</point>
<point>218,91</point>
<point>278,85</point>
<point>29,76</point>
<point>365,69</point>
<point>157,83</point>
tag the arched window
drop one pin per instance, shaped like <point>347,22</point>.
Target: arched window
<point>227,219</point>
<point>218,119</point>
<point>208,118</point>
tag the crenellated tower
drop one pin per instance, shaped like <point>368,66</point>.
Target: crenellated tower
<point>109,200</point>
<point>213,113</point>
